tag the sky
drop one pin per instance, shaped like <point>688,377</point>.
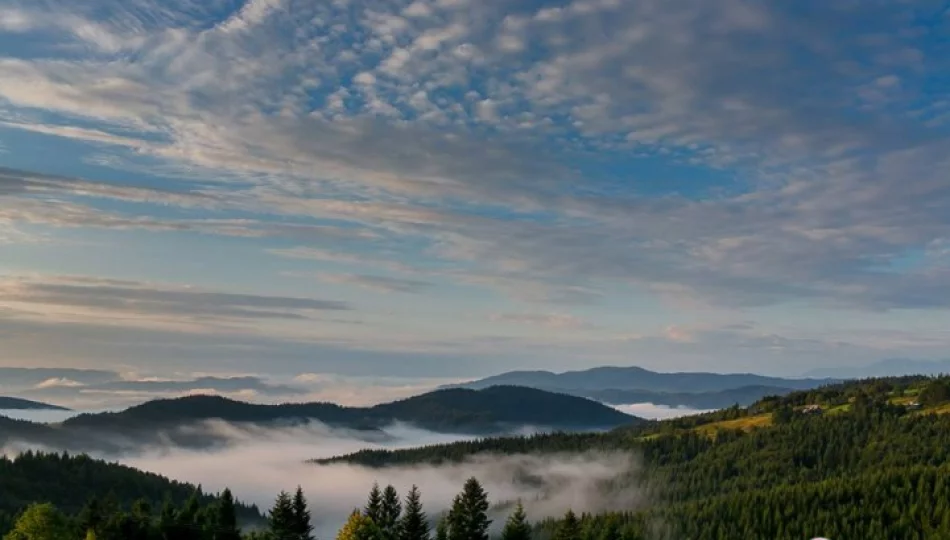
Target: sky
<point>448,189</point>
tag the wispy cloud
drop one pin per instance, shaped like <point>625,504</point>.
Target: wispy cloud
<point>135,304</point>
<point>550,320</point>
<point>378,283</point>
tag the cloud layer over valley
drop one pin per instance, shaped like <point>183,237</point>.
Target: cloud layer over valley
<point>260,462</point>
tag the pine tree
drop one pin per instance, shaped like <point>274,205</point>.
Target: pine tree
<point>90,517</point>
<point>414,524</point>
<point>569,528</point>
<point>517,526</point>
<point>225,518</point>
<point>187,519</point>
<point>442,529</point>
<point>468,518</point>
<point>389,514</point>
<point>611,531</point>
<point>374,504</point>
<point>301,526</point>
<point>281,518</point>
<point>166,521</point>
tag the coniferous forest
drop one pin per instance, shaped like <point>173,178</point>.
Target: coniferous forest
<point>860,460</point>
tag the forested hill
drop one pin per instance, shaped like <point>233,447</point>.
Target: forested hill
<point>12,403</point>
<point>490,411</point>
<point>867,459</point>
<point>442,410</point>
<point>835,403</point>
<point>70,482</point>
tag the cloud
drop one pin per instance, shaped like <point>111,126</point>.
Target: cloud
<point>696,100</point>
<point>378,283</point>
<point>59,382</point>
<point>553,320</point>
<point>727,155</point>
<point>136,304</point>
<point>224,385</point>
<point>657,412</point>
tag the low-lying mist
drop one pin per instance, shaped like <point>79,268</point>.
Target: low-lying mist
<point>260,462</point>
<point>652,411</point>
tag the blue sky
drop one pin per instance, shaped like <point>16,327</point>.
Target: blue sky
<point>452,188</point>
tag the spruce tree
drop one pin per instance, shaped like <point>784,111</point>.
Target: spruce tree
<point>389,514</point>
<point>225,518</point>
<point>166,520</point>
<point>517,526</point>
<point>90,517</point>
<point>414,524</point>
<point>281,518</point>
<point>302,528</point>
<point>442,529</point>
<point>611,531</point>
<point>468,518</point>
<point>374,504</point>
<point>569,528</point>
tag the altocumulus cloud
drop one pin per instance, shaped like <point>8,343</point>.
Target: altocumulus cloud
<point>509,147</point>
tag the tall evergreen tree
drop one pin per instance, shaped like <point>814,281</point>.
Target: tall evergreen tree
<point>390,511</point>
<point>301,525</point>
<point>90,517</point>
<point>166,520</point>
<point>569,528</point>
<point>224,521</point>
<point>187,519</point>
<point>374,504</point>
<point>517,526</point>
<point>468,518</point>
<point>281,518</point>
<point>442,529</point>
<point>414,524</point>
<point>611,531</point>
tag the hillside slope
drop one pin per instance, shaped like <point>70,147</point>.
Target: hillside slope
<point>12,403</point>
<point>70,482</point>
<point>864,459</point>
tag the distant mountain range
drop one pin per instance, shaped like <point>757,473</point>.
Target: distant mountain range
<point>494,410</point>
<point>627,385</point>
<point>12,403</point>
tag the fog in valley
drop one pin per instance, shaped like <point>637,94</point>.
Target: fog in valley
<point>653,411</point>
<point>46,416</point>
<point>260,462</point>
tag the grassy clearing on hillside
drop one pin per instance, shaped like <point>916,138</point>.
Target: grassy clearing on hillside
<point>747,423</point>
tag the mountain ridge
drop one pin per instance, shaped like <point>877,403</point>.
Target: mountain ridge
<point>13,403</point>
<point>624,385</point>
<point>638,378</point>
<point>488,411</point>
